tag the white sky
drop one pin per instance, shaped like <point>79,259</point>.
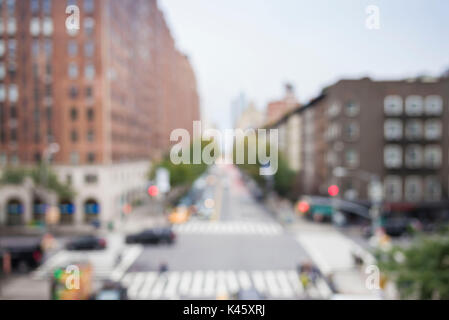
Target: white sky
<point>255,46</point>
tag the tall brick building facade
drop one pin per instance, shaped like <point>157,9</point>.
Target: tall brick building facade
<point>108,93</point>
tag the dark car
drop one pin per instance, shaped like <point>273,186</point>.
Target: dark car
<point>394,227</point>
<point>152,236</point>
<point>22,253</point>
<point>87,243</point>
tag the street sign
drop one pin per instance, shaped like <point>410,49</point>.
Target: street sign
<point>375,191</point>
<point>163,180</point>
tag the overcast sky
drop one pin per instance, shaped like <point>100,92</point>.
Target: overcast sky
<point>255,46</point>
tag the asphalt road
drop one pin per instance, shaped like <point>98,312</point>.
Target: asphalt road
<point>242,243</point>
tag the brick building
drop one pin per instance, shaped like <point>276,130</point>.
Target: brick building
<point>109,93</point>
<point>396,130</point>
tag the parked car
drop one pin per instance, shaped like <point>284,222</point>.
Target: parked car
<point>153,236</point>
<point>87,243</point>
<point>23,253</point>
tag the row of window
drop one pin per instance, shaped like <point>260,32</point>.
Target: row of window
<point>90,136</point>
<point>413,189</point>
<point>75,157</point>
<point>416,157</point>
<point>351,109</point>
<point>414,129</point>
<point>414,105</point>
<point>89,48</point>
<point>11,92</point>
<point>73,71</point>
<point>351,131</point>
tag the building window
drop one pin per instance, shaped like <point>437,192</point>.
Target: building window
<point>12,26</point>
<point>2,48</point>
<point>414,129</point>
<point>34,6</point>
<point>414,106</point>
<point>72,48</point>
<point>432,189</point>
<point>333,131</point>
<point>35,27</point>
<point>89,49</point>
<point>89,71</point>
<point>89,25</point>
<point>434,105</point>
<point>89,92</point>
<point>91,157</point>
<point>413,188</point>
<point>393,129</point>
<point>352,131</point>
<point>333,110</point>
<point>433,157</point>
<point>73,92</point>
<point>13,93</point>
<point>2,71</point>
<point>74,158</point>
<point>48,47</point>
<point>393,188</point>
<point>433,130</point>
<point>352,158</point>
<point>91,178</point>
<point>73,70</point>
<point>2,93</point>
<point>90,136</point>
<point>89,6</point>
<point>74,136</point>
<point>393,105</point>
<point>352,109</point>
<point>90,115</point>
<point>47,28</point>
<point>393,156</point>
<point>414,156</point>
<point>47,7</point>
<point>74,114</point>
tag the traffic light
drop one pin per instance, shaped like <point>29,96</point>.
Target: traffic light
<point>333,190</point>
<point>153,191</point>
<point>303,207</point>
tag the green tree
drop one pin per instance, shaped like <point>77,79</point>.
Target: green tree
<point>182,174</point>
<point>420,271</point>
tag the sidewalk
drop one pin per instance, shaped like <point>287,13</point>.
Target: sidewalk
<point>332,251</point>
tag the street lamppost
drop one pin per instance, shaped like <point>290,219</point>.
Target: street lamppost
<point>52,149</point>
<point>375,191</point>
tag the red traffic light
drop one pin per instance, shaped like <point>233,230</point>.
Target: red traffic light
<point>153,191</point>
<point>303,207</point>
<point>333,191</point>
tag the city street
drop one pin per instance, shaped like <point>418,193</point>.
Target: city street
<point>242,247</point>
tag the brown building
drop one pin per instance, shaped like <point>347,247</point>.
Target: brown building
<point>109,92</point>
<point>276,109</point>
<point>395,130</point>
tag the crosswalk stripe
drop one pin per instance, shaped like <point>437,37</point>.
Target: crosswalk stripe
<point>136,284</point>
<point>170,290</point>
<point>209,284</point>
<point>272,284</point>
<point>221,284</point>
<point>184,286</point>
<point>294,281</point>
<point>259,282</point>
<point>245,281</point>
<point>159,286</point>
<point>197,284</point>
<point>147,285</point>
<point>273,288</point>
<point>286,291</point>
<point>243,227</point>
<point>232,282</point>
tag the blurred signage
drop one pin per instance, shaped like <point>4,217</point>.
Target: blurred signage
<point>163,180</point>
<point>53,215</point>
